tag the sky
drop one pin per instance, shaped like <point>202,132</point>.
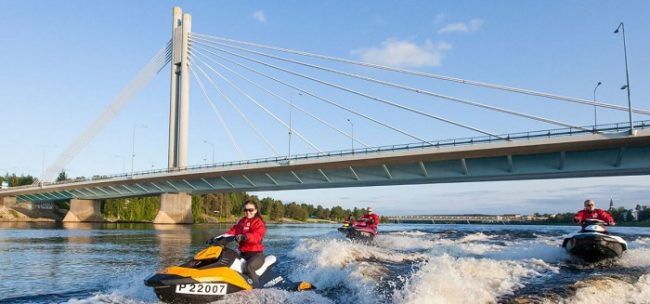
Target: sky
<point>66,61</point>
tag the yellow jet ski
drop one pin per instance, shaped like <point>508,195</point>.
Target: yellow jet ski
<point>213,273</point>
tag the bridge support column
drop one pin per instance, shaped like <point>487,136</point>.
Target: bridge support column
<point>84,211</point>
<point>175,208</point>
<point>8,201</point>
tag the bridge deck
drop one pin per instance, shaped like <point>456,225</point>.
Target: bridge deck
<point>536,155</point>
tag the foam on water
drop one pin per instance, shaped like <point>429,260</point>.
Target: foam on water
<point>611,291</point>
<point>406,242</point>
<point>447,279</point>
<point>336,263</point>
<point>113,297</point>
<point>266,296</point>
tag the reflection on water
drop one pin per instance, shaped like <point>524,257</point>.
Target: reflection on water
<point>107,262</point>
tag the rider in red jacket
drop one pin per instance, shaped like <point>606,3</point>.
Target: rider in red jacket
<point>249,232</point>
<point>371,219</point>
<point>590,212</point>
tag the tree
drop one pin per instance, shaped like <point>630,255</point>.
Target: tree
<point>337,213</point>
<point>62,176</point>
<point>266,204</point>
<point>14,180</point>
<point>277,211</point>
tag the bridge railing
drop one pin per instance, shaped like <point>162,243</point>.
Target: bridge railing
<point>283,160</point>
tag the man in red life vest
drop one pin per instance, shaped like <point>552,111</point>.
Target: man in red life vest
<point>590,212</point>
<point>371,219</point>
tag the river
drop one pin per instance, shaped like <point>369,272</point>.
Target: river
<point>106,263</point>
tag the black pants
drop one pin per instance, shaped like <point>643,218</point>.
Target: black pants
<point>254,260</point>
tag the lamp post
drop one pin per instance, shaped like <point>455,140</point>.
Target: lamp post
<point>290,122</point>
<point>133,145</point>
<point>352,133</point>
<point>212,146</point>
<point>621,26</point>
<point>595,117</point>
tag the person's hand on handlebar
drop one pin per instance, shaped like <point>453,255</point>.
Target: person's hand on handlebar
<point>240,238</point>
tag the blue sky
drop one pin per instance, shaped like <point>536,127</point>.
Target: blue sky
<point>66,60</point>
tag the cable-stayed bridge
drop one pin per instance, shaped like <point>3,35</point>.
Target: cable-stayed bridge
<point>244,71</point>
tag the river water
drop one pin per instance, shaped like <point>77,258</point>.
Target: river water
<point>106,263</point>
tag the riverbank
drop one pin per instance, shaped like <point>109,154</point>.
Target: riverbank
<point>18,214</point>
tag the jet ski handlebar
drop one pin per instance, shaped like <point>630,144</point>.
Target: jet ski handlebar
<point>221,240</point>
<point>588,222</point>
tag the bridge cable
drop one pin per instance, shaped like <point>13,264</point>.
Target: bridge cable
<point>323,99</point>
<point>216,112</point>
<point>412,89</point>
<point>435,76</point>
<point>144,77</point>
<point>263,108</point>
<point>381,100</point>
<point>285,100</point>
<point>235,107</point>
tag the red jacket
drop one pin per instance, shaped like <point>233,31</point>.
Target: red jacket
<point>254,229</point>
<point>373,220</point>
<point>598,214</point>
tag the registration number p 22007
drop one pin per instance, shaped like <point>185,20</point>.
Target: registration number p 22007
<point>202,289</point>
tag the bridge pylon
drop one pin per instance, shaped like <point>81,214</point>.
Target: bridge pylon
<point>179,90</point>
<point>176,208</point>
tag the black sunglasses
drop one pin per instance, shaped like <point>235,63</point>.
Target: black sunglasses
<point>249,210</point>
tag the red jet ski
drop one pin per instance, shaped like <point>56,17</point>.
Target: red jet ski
<point>358,230</point>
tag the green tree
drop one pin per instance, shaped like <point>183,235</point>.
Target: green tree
<point>14,180</point>
<point>277,211</point>
<point>63,176</point>
<point>337,213</point>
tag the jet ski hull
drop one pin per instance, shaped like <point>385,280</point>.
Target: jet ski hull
<point>165,288</point>
<point>356,233</point>
<point>593,247</point>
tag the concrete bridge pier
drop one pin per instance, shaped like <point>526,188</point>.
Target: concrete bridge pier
<point>84,211</point>
<point>8,201</point>
<point>175,208</point>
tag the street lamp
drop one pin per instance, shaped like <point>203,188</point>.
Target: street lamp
<point>595,117</point>
<point>627,77</point>
<point>133,145</point>
<point>352,133</point>
<point>290,119</point>
<point>212,145</point>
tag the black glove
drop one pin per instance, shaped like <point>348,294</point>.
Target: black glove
<point>213,241</point>
<point>240,238</point>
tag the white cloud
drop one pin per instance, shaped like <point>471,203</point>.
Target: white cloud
<point>471,26</point>
<point>404,53</point>
<point>259,16</point>
<point>439,18</point>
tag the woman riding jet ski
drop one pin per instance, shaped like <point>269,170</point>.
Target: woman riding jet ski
<point>593,242</point>
<point>219,270</point>
<point>364,228</point>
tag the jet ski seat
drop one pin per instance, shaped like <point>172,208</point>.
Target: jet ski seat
<point>268,261</point>
<point>240,265</point>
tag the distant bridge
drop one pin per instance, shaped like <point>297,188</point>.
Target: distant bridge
<point>462,218</point>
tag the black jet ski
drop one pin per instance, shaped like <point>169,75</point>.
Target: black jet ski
<point>213,273</point>
<point>593,243</point>
<point>358,231</point>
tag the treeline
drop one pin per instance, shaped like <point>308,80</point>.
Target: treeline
<point>230,205</point>
<point>224,207</point>
<point>620,215</point>
<point>14,180</point>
